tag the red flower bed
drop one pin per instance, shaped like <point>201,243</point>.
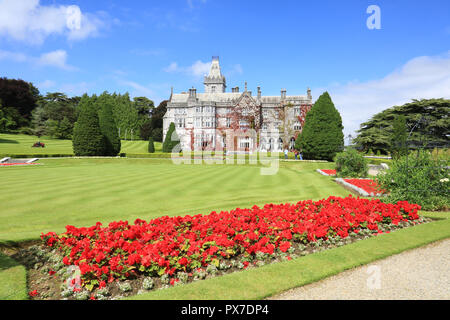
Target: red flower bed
<point>328,172</point>
<point>170,244</point>
<point>368,185</point>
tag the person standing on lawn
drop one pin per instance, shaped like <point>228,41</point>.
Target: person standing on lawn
<point>286,151</point>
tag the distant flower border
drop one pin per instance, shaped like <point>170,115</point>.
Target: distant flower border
<point>364,187</point>
<point>327,172</point>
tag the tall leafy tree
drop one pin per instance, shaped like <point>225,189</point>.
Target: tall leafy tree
<point>157,121</point>
<point>19,99</point>
<point>427,122</point>
<point>6,121</point>
<point>126,116</point>
<point>88,139</point>
<point>107,124</point>
<point>146,129</point>
<point>55,115</point>
<point>322,135</point>
<point>144,107</point>
<point>399,137</point>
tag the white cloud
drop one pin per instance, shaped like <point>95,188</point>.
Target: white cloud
<point>173,67</point>
<point>422,77</point>
<point>57,58</point>
<point>29,21</point>
<point>197,69</point>
<point>13,56</point>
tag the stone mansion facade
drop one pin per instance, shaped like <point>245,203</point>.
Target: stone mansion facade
<point>203,120</point>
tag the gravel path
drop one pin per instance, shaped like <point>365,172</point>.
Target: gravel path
<point>422,273</point>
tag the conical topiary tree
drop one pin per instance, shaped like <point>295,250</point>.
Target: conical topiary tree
<point>88,139</point>
<point>107,124</point>
<point>151,145</point>
<point>171,139</point>
<point>322,135</point>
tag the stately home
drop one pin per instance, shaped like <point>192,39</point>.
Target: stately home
<point>203,120</point>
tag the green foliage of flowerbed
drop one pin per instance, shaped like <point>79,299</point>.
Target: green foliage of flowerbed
<point>351,163</point>
<point>418,178</point>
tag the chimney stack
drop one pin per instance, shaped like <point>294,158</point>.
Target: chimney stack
<point>192,93</point>
<point>309,94</point>
<point>259,92</point>
<point>283,94</point>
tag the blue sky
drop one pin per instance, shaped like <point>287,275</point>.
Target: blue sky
<point>145,47</point>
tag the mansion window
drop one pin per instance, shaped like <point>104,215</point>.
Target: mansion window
<point>228,122</point>
<point>297,125</point>
<point>203,140</point>
<point>207,109</point>
<point>265,126</point>
<point>198,122</point>
<point>276,114</point>
<point>296,111</point>
<point>244,143</point>
<point>208,122</point>
<point>265,113</point>
<point>243,124</point>
<point>180,122</point>
<point>198,109</point>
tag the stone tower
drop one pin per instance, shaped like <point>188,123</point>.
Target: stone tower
<point>215,81</point>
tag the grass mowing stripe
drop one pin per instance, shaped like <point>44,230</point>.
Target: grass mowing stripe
<point>21,144</point>
<point>266,281</point>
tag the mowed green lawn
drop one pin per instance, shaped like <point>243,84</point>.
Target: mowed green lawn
<point>21,144</point>
<point>80,192</point>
